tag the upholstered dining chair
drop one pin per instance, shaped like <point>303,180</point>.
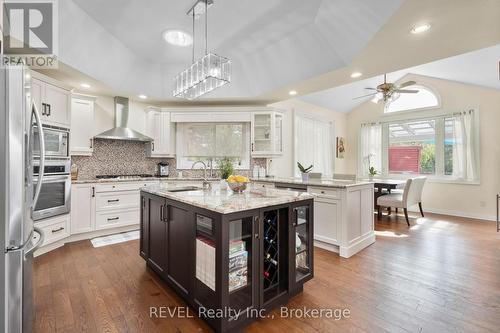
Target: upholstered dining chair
<point>412,195</point>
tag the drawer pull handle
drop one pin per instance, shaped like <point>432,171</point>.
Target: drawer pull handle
<point>114,200</point>
<point>57,230</point>
<point>113,218</point>
<point>322,192</point>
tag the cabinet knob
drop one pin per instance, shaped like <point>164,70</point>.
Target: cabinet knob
<point>91,143</point>
<point>322,192</point>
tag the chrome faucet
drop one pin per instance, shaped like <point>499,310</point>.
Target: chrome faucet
<point>206,183</point>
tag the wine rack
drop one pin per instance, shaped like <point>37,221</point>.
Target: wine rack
<point>271,250</point>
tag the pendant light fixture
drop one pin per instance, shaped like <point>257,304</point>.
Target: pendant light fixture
<point>208,72</point>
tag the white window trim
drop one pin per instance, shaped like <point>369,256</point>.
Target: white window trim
<point>420,115</point>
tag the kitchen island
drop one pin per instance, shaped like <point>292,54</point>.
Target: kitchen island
<point>231,257</point>
<point>343,211</point>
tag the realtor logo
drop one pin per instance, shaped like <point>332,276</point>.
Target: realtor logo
<point>30,33</point>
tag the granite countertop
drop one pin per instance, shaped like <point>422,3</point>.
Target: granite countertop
<point>335,183</point>
<point>226,202</point>
<point>138,179</point>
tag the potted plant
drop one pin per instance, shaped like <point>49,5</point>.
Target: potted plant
<point>304,171</point>
<point>226,169</point>
<point>372,172</point>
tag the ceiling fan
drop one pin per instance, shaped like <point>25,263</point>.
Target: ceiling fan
<point>388,91</point>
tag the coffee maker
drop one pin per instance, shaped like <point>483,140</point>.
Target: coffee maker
<point>163,170</point>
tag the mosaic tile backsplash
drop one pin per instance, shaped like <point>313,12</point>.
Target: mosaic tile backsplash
<point>116,157</point>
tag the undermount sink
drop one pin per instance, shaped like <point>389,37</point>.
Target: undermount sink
<point>184,189</point>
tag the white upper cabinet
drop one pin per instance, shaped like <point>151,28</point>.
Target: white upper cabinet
<point>82,125</point>
<point>53,103</point>
<point>162,130</point>
<point>267,134</point>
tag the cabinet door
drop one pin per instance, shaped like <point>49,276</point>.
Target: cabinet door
<point>301,245</point>
<point>327,217</point>
<point>278,134</point>
<point>181,232</point>
<point>82,125</point>
<point>262,133</point>
<point>167,135</point>
<point>37,96</point>
<point>58,105</point>
<point>154,125</point>
<point>82,208</point>
<point>144,230</point>
<point>157,234</point>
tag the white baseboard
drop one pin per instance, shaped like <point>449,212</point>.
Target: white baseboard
<point>326,246</point>
<point>484,218</point>
<point>357,245</point>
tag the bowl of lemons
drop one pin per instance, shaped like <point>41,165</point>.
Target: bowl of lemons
<point>237,183</point>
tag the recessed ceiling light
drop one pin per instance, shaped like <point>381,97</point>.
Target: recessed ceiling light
<point>143,96</point>
<point>356,75</point>
<point>420,28</point>
<point>177,37</point>
<point>292,93</point>
<point>85,85</point>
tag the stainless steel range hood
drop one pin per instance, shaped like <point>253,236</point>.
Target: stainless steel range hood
<point>121,131</point>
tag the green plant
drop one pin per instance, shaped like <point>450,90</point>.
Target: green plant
<point>372,171</point>
<point>302,169</point>
<point>226,167</point>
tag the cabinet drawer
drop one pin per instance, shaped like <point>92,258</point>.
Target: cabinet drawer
<point>324,191</point>
<point>109,187</point>
<point>117,200</point>
<point>54,229</point>
<point>263,185</point>
<point>112,219</point>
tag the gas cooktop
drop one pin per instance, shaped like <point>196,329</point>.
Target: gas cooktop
<point>124,176</point>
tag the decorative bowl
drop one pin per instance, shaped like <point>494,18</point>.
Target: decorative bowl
<point>237,187</point>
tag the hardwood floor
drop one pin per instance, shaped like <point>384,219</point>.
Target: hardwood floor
<point>442,274</point>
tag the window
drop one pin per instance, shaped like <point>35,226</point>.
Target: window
<point>442,147</point>
<point>425,98</point>
<point>212,141</point>
<point>412,147</point>
<point>314,145</point>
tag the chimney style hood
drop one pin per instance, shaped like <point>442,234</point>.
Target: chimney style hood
<point>121,131</point>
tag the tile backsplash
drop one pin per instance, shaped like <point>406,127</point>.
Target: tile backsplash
<point>117,157</point>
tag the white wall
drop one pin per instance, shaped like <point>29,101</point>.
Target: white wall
<point>455,199</point>
<point>284,166</point>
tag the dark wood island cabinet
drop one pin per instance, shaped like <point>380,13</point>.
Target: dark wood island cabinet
<point>239,255</point>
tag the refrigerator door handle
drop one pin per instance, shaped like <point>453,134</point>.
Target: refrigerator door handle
<point>42,154</point>
<point>38,244</point>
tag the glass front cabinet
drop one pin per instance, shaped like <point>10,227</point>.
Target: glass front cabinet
<point>267,134</point>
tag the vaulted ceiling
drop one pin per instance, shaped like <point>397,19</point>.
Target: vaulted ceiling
<point>275,45</point>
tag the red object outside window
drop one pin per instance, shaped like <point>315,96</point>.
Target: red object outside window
<point>404,159</point>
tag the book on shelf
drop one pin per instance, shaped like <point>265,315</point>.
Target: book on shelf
<point>236,246</point>
<point>237,279</point>
<point>205,261</point>
<point>238,260</point>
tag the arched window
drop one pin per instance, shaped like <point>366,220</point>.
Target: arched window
<point>425,98</point>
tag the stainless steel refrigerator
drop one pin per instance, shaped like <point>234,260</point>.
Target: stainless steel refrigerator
<point>18,236</point>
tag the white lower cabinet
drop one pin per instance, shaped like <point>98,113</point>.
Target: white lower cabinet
<point>327,217</point>
<point>82,208</point>
<point>117,218</point>
<point>54,229</point>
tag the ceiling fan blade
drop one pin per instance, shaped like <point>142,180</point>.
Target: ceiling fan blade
<point>406,91</point>
<point>371,88</point>
<point>406,84</point>
<point>365,96</point>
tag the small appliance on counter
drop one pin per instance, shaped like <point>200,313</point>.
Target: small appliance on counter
<point>163,170</point>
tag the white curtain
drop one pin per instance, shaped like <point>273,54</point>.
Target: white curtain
<point>314,145</point>
<point>370,148</point>
<point>464,159</point>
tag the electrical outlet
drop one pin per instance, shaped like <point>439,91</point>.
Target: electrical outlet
<point>482,204</point>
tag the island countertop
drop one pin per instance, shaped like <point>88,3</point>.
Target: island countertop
<point>334,183</point>
<point>226,202</point>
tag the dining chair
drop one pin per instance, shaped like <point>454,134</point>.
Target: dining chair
<point>412,195</point>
